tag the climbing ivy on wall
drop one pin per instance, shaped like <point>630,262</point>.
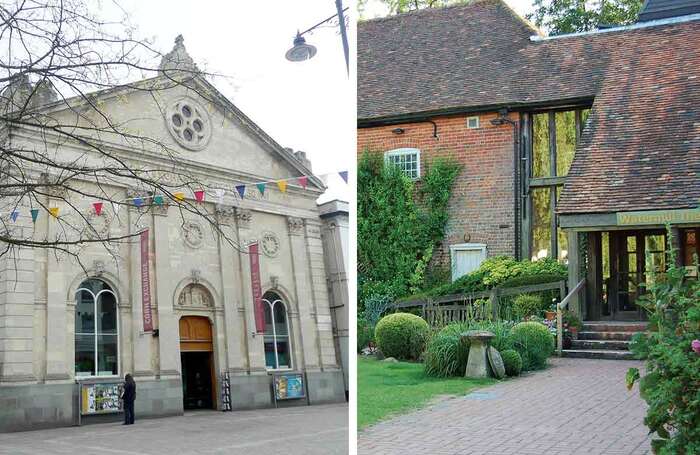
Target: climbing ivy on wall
<point>398,225</point>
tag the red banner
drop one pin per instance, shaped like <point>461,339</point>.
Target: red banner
<point>145,284</point>
<point>255,285</point>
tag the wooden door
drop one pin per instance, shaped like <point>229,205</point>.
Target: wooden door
<point>195,334</point>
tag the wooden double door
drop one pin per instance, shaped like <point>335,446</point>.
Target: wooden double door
<point>197,361</point>
<point>636,260</point>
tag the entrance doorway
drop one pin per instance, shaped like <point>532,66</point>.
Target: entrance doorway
<point>197,361</point>
<point>634,261</point>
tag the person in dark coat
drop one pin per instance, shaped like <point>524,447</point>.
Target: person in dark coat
<point>129,396</point>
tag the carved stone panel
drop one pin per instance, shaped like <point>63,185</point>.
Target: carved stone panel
<point>195,296</point>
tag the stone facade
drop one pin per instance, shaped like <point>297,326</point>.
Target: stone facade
<point>196,269</point>
<point>482,204</point>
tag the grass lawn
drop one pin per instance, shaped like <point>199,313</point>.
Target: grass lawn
<point>385,389</point>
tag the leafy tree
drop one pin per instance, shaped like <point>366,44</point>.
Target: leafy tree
<point>569,16</point>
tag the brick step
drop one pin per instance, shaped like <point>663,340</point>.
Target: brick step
<point>605,335</point>
<point>596,345</point>
<point>597,354</point>
<point>605,326</point>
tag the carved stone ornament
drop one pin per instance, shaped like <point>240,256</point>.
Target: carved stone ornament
<point>193,234</point>
<point>189,124</point>
<point>270,244</point>
<point>274,281</point>
<point>243,217</point>
<point>225,214</point>
<point>98,225</point>
<point>196,275</point>
<point>98,267</point>
<point>195,296</point>
<point>295,225</point>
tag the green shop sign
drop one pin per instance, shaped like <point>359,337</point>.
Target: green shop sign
<point>659,217</point>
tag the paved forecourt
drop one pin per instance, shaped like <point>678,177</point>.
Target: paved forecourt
<point>576,406</point>
<point>321,429</point>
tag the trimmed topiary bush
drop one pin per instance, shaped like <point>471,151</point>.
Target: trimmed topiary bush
<point>512,361</point>
<point>526,305</point>
<point>446,353</point>
<point>402,335</point>
<point>533,342</point>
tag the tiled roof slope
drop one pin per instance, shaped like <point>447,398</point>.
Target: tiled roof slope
<point>641,147</point>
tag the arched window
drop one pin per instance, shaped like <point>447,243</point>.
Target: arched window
<point>96,330</point>
<point>277,351</point>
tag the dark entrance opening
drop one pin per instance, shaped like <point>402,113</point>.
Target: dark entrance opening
<point>197,361</point>
<point>197,380</point>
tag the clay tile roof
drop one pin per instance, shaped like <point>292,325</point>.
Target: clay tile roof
<point>641,146</point>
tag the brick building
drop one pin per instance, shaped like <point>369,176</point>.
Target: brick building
<point>572,146</point>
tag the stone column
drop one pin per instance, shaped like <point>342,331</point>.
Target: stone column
<point>254,342</point>
<point>168,338</point>
<point>304,295</point>
<point>234,320</point>
<point>142,343</point>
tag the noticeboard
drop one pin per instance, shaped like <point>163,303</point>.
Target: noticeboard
<point>100,398</point>
<point>289,386</point>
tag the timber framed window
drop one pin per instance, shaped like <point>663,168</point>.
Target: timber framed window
<point>406,159</point>
<point>549,143</point>
<point>96,330</point>
<point>277,347</point>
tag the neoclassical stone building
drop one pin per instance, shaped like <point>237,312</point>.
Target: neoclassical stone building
<point>63,324</point>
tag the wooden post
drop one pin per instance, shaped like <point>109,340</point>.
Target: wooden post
<point>494,303</point>
<point>560,330</point>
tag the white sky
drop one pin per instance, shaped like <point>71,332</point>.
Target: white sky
<point>307,106</point>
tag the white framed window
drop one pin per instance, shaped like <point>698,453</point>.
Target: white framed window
<point>278,354</point>
<point>473,122</point>
<point>96,330</point>
<point>466,257</point>
<point>406,159</point>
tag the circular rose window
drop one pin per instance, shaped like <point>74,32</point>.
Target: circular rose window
<point>189,124</point>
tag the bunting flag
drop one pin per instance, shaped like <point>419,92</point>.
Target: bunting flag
<point>138,202</point>
<point>324,179</point>
<point>98,208</point>
<point>35,214</point>
<point>158,199</point>
<point>14,215</point>
<point>53,211</point>
<point>115,208</point>
<point>241,190</point>
<point>199,195</point>
<point>179,195</point>
<point>282,185</point>
<point>344,175</point>
<point>220,192</point>
<point>303,181</point>
<point>261,188</point>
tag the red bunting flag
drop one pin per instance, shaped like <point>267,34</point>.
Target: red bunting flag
<point>199,195</point>
<point>303,181</point>
<point>98,208</point>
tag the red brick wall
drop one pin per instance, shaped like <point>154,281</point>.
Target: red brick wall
<point>482,195</point>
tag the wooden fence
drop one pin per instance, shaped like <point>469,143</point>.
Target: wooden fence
<point>493,304</point>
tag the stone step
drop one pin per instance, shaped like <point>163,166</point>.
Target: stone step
<point>614,326</point>
<point>605,335</point>
<point>597,354</point>
<point>596,345</point>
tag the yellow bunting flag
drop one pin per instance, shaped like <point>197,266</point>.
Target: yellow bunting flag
<point>179,195</point>
<point>53,211</point>
<point>282,185</point>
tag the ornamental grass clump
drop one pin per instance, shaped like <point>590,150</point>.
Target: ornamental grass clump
<point>533,342</point>
<point>401,335</point>
<point>447,353</point>
<point>512,362</point>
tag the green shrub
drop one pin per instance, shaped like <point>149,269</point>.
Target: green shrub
<point>533,342</point>
<point>669,382</point>
<point>446,353</point>
<point>526,305</point>
<point>365,334</point>
<point>512,361</point>
<point>402,335</point>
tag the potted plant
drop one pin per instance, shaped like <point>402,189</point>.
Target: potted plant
<point>572,323</point>
<point>551,313</point>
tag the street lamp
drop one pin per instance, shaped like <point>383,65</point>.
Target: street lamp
<point>301,51</point>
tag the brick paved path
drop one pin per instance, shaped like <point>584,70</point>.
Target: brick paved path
<point>577,406</point>
<point>312,430</point>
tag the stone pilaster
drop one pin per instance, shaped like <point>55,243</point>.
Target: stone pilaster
<point>142,343</point>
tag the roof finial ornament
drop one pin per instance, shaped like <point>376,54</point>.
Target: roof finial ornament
<point>178,59</point>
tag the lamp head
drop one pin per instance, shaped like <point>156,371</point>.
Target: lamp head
<point>300,51</point>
